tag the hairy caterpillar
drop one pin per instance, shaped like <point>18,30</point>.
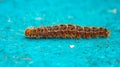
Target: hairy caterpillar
<point>67,31</point>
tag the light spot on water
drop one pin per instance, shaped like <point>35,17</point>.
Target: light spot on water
<point>27,58</point>
<point>53,23</point>
<point>59,45</point>
<point>70,17</point>
<point>9,20</point>
<point>38,18</point>
<point>31,62</point>
<point>31,27</point>
<point>114,11</point>
<point>58,64</point>
<point>102,57</point>
<point>14,57</point>
<point>72,46</point>
<point>16,62</point>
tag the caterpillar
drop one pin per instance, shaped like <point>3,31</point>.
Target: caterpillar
<point>67,31</point>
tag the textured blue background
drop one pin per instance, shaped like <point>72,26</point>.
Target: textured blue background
<point>17,51</point>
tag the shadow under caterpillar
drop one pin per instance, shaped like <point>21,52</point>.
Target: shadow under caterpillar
<point>67,31</point>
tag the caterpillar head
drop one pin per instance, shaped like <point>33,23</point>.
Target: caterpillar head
<point>28,32</point>
<point>31,31</point>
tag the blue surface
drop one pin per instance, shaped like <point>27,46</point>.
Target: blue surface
<point>17,51</point>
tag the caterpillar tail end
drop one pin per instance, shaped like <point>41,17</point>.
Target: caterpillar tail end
<point>107,33</point>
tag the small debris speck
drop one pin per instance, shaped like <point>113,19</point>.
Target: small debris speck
<point>72,46</point>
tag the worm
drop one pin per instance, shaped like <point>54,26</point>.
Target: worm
<point>67,31</point>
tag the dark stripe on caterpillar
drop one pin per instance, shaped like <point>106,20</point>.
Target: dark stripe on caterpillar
<point>67,31</point>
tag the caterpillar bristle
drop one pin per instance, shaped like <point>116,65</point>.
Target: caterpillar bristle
<point>66,31</point>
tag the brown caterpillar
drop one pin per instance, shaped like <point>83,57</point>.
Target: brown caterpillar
<point>66,31</point>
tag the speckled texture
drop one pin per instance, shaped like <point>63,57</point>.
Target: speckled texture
<point>18,51</point>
